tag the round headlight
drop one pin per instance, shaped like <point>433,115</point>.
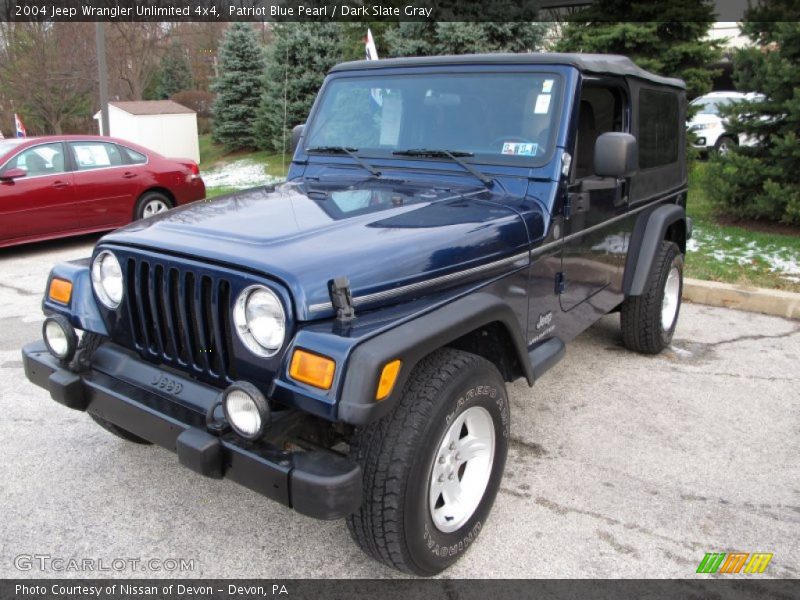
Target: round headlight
<point>260,320</point>
<point>60,337</point>
<point>107,279</point>
<point>246,409</point>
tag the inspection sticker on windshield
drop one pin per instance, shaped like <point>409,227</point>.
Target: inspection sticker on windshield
<point>542,104</point>
<point>547,86</point>
<point>520,148</point>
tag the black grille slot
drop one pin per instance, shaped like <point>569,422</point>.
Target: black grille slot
<point>181,318</point>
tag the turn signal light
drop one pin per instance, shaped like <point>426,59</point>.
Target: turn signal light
<point>388,378</point>
<point>60,290</point>
<point>312,369</point>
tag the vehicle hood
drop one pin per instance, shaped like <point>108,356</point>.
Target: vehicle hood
<point>704,119</point>
<point>391,239</point>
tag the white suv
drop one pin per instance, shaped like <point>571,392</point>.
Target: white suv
<point>709,126</point>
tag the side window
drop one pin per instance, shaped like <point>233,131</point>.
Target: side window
<point>96,155</point>
<point>658,128</point>
<point>134,157</point>
<point>602,109</point>
<point>46,159</point>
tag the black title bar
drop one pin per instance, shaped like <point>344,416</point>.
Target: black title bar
<point>305,10</point>
<point>701,587</point>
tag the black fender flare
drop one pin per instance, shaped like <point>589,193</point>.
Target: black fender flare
<point>412,341</point>
<point>648,233</point>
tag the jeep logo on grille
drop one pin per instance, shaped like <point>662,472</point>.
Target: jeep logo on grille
<point>166,384</point>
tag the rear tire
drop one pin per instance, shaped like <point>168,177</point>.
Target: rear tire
<point>151,204</point>
<point>424,504</point>
<point>648,321</point>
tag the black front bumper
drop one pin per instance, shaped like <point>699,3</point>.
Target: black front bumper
<point>317,483</point>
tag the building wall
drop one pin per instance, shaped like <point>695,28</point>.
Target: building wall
<point>173,136</point>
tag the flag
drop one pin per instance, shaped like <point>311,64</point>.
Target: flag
<point>372,51</point>
<point>372,54</point>
<point>20,127</point>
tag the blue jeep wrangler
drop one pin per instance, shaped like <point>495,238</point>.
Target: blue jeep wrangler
<point>341,342</point>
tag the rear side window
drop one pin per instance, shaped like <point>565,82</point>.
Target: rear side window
<point>134,157</point>
<point>659,130</point>
<point>96,155</point>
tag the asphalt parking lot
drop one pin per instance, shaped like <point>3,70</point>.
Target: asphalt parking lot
<point>621,465</point>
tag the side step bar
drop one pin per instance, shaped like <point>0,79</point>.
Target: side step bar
<point>545,355</point>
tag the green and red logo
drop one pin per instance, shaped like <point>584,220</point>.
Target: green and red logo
<point>732,562</point>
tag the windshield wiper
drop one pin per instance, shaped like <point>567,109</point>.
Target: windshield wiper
<point>452,155</point>
<point>351,152</point>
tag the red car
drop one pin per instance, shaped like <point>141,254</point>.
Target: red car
<point>68,185</point>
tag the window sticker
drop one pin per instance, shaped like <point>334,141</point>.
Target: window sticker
<point>95,155</point>
<point>547,86</point>
<point>542,104</point>
<point>520,148</point>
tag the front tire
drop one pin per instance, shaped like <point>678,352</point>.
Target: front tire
<point>432,467</point>
<point>119,431</point>
<point>82,362</point>
<point>648,321</point>
<point>724,145</point>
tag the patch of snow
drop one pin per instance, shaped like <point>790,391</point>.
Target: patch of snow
<point>240,174</point>
<point>788,267</point>
<point>781,260</point>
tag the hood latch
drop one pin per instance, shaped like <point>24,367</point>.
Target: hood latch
<point>342,299</point>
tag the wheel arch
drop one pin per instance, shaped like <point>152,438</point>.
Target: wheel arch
<point>667,222</point>
<point>463,325</point>
<point>158,189</point>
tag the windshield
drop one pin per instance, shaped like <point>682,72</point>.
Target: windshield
<point>505,118</point>
<point>711,106</point>
<point>7,146</point>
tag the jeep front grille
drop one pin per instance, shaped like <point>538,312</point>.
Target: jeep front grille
<point>181,318</point>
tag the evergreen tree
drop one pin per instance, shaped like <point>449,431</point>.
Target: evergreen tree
<point>763,181</point>
<point>662,36</point>
<point>436,38</point>
<point>238,87</point>
<point>175,75</point>
<point>298,59</point>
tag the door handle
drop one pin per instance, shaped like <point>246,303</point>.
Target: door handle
<point>128,175</point>
<point>60,185</point>
<point>621,193</point>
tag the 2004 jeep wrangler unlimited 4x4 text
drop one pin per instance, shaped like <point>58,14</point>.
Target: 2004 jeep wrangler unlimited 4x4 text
<point>341,342</point>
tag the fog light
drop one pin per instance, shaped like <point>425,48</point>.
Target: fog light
<point>60,337</point>
<point>246,409</point>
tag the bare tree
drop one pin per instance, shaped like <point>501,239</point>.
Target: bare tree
<point>47,71</point>
<point>200,40</point>
<point>134,54</point>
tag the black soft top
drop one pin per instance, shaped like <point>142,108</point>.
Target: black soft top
<point>603,64</point>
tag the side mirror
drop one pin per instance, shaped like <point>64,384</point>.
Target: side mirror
<point>12,174</point>
<point>616,155</point>
<point>297,133</point>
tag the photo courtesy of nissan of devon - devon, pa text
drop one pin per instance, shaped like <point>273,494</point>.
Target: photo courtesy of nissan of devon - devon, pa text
<point>341,342</point>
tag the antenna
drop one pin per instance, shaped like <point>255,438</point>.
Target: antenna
<point>285,86</point>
